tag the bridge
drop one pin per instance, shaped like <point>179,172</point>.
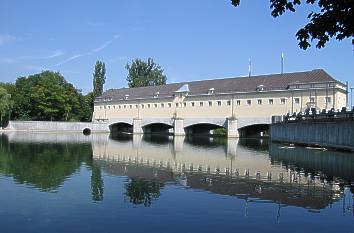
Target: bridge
<point>242,106</point>
<point>182,126</point>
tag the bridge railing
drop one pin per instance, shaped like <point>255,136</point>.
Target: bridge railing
<point>316,115</point>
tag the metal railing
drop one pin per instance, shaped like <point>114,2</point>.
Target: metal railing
<point>316,115</point>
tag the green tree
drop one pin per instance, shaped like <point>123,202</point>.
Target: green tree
<point>47,96</point>
<point>145,73</point>
<point>99,78</point>
<point>87,108</point>
<point>334,18</point>
<point>5,104</point>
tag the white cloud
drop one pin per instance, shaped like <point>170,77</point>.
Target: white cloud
<point>93,51</point>
<point>5,38</point>
<point>50,55</point>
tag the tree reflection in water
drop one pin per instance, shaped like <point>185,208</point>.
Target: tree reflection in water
<point>142,191</point>
<point>42,165</point>
<point>97,185</point>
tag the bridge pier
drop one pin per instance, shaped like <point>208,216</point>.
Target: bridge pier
<point>178,127</point>
<point>137,126</point>
<point>232,131</point>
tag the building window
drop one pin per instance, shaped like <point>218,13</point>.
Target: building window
<point>270,101</point>
<point>185,104</point>
<point>192,104</point>
<point>259,102</point>
<point>282,101</point>
<point>162,105</point>
<point>136,106</point>
<point>169,105</point>
<point>327,100</point>
<point>142,106</point>
<point>201,104</point>
<point>177,105</point>
<point>100,107</point>
<point>109,107</point>
<point>114,107</point>
<point>149,106</point>
<point>228,103</point>
<point>238,102</point>
<point>312,99</point>
<point>297,86</point>
<point>210,103</point>
<point>155,105</point>
<point>130,106</point>
<point>312,85</point>
<point>249,102</point>
<point>297,100</point>
<point>219,103</point>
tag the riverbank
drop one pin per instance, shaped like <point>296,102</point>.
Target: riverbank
<point>55,126</point>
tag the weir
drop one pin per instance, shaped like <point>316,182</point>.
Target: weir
<point>334,129</point>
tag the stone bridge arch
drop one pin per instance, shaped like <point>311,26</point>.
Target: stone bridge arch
<point>121,126</point>
<point>159,126</point>
<point>221,122</point>
<point>203,126</point>
<point>254,127</point>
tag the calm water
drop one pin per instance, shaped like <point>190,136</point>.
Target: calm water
<point>75,183</point>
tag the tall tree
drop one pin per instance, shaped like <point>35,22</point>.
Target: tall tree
<point>47,96</point>
<point>99,78</point>
<point>5,104</point>
<point>333,19</point>
<point>145,73</point>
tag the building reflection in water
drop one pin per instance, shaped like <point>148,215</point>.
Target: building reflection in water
<point>237,167</point>
<point>252,170</point>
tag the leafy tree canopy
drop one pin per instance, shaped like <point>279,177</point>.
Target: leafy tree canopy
<point>145,73</point>
<point>334,19</point>
<point>47,96</point>
<point>5,104</point>
<point>99,78</point>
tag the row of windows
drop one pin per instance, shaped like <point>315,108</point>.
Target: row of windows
<point>327,100</point>
<point>208,103</point>
<point>193,104</point>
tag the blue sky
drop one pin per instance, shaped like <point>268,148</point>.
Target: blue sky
<point>191,40</point>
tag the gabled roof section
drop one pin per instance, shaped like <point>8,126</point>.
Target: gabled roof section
<point>228,85</point>
<point>184,88</point>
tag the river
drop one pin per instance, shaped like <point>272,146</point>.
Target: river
<point>123,183</point>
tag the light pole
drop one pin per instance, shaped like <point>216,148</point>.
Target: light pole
<point>351,97</point>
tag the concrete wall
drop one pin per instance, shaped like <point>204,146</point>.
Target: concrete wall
<point>337,133</point>
<point>46,126</point>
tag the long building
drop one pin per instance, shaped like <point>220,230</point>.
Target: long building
<point>233,103</point>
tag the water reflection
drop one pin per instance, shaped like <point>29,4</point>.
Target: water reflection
<point>242,168</point>
<point>143,191</point>
<point>251,170</point>
<point>44,166</point>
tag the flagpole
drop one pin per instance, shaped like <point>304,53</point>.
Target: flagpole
<point>282,62</point>
<point>249,68</point>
